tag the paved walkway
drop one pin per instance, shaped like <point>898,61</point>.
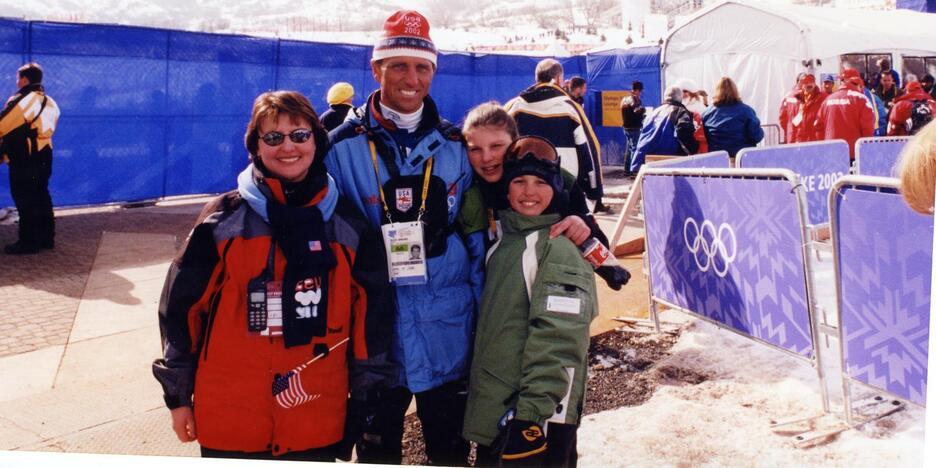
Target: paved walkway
<point>78,331</point>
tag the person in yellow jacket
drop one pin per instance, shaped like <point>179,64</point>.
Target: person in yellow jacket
<point>27,123</point>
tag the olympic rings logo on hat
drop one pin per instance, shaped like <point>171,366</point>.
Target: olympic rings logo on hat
<point>709,247</point>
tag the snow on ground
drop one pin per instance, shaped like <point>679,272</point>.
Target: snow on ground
<point>724,421</point>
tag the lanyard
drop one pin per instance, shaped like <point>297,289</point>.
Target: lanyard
<point>427,173</point>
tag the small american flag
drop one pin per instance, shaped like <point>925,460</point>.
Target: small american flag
<point>315,246</point>
<point>288,390</point>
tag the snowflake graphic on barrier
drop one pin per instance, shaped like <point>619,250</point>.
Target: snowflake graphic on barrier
<point>885,262</point>
<point>759,288</point>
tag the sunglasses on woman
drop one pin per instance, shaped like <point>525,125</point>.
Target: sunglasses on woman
<point>299,135</point>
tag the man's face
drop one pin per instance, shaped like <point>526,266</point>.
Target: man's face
<point>404,81</point>
<point>580,91</point>
<point>21,81</point>
<point>887,81</point>
<point>809,87</point>
<point>828,86</point>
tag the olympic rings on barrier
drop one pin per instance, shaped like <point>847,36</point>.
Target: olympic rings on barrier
<point>718,245</point>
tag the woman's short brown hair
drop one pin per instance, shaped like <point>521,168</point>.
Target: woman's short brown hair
<point>726,93</point>
<point>490,114</point>
<point>294,104</point>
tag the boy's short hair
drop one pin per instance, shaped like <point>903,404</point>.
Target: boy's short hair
<point>31,71</point>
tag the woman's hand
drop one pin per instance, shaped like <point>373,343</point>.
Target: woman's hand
<point>183,423</point>
<point>572,227</point>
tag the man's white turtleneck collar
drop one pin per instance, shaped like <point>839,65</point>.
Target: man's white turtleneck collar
<point>408,122</point>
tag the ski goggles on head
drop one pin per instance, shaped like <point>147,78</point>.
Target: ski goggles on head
<point>535,147</point>
<point>299,135</point>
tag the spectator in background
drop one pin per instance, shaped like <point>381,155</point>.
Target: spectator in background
<point>632,113</point>
<point>880,112</point>
<point>927,83</point>
<point>339,100</point>
<point>887,90</point>
<point>789,108</point>
<point>27,123</point>
<point>730,124</point>
<point>917,168</point>
<point>884,67</point>
<point>847,113</point>
<point>828,85</point>
<point>695,103</point>
<point>803,122</point>
<point>577,88</point>
<point>545,110</point>
<point>912,111</point>
<point>669,130</point>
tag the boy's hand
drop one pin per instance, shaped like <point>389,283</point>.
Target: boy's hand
<point>573,227</point>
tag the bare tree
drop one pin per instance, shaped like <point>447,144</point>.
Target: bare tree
<point>446,13</point>
<point>595,11</point>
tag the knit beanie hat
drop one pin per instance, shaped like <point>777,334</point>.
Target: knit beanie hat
<point>532,155</point>
<point>339,93</point>
<point>405,34</point>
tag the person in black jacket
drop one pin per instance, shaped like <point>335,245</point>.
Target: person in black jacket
<point>339,100</point>
<point>632,112</point>
<point>27,123</point>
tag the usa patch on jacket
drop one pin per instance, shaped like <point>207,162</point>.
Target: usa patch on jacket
<point>404,198</point>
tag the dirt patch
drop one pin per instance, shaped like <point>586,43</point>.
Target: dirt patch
<point>622,368</point>
<point>622,371</point>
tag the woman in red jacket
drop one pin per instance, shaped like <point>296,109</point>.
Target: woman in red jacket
<point>258,310</point>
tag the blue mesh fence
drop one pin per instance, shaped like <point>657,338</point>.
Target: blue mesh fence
<point>148,113</point>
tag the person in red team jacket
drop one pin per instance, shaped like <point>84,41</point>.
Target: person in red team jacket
<point>846,114</point>
<point>912,111</point>
<point>803,121</point>
<point>789,107</point>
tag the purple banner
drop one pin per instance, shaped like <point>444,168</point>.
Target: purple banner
<point>878,156</point>
<point>712,160</point>
<point>884,254</point>
<point>818,165</point>
<point>730,249</point>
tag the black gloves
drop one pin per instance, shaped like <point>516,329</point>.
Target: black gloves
<point>523,443</point>
<point>616,276</point>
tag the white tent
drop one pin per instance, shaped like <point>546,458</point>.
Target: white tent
<point>763,48</point>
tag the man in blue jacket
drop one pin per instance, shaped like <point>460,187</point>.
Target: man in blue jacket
<point>668,130</point>
<point>407,170</point>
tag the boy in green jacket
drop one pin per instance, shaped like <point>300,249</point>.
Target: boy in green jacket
<point>528,374</point>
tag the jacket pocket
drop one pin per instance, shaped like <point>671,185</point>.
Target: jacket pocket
<point>567,290</point>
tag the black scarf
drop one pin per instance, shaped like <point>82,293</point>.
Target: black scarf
<point>299,230</point>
